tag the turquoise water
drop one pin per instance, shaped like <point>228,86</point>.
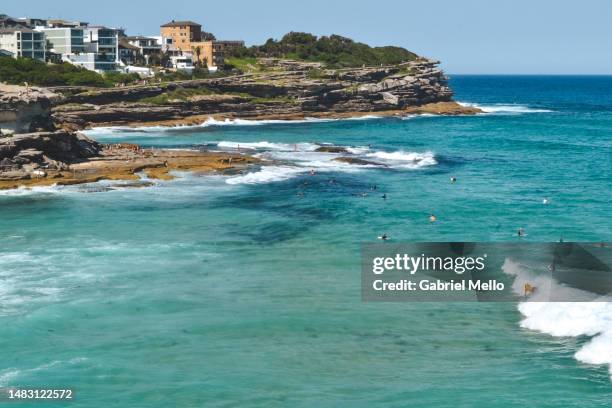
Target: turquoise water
<point>244,290</point>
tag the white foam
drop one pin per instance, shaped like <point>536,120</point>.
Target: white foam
<point>401,159</point>
<point>566,319</point>
<point>267,174</point>
<point>7,375</point>
<point>35,190</point>
<point>268,146</point>
<point>300,162</point>
<point>504,108</point>
<point>357,149</point>
<point>127,131</point>
<point>253,122</point>
<point>364,117</point>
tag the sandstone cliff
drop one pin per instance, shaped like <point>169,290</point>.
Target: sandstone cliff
<point>283,89</point>
<point>25,108</point>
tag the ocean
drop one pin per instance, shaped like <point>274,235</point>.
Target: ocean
<point>244,289</point>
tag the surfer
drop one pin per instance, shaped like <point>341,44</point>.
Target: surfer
<point>384,196</point>
<point>545,201</point>
<point>521,232</point>
<point>312,172</point>
<point>383,237</point>
<point>453,179</point>
<point>528,289</point>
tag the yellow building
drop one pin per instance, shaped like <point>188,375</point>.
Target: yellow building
<point>212,53</point>
<point>202,52</point>
<point>179,35</point>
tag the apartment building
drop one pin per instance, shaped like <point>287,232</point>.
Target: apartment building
<point>23,42</point>
<point>66,24</point>
<point>212,53</point>
<point>180,34</point>
<point>145,45</point>
<point>65,40</point>
<point>103,42</point>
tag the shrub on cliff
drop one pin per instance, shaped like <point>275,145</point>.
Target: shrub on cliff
<point>20,70</point>
<point>334,50</point>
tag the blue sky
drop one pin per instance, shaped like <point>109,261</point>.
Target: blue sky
<point>468,36</point>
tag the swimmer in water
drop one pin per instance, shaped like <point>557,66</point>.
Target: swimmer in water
<point>384,196</point>
<point>432,218</point>
<point>545,201</point>
<point>521,232</point>
<point>312,172</point>
<point>453,179</point>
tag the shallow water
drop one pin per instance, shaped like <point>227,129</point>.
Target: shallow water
<point>245,289</point>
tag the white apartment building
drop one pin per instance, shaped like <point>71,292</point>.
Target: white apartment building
<point>64,40</point>
<point>104,43</point>
<point>23,42</point>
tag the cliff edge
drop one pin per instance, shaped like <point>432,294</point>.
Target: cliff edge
<point>275,88</point>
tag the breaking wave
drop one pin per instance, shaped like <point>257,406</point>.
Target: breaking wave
<point>289,160</point>
<point>35,190</point>
<point>267,174</point>
<point>269,146</point>
<point>504,108</point>
<point>403,159</point>
<point>210,122</point>
<point>567,319</point>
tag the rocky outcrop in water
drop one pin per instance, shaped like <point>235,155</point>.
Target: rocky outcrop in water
<point>29,144</point>
<point>30,155</point>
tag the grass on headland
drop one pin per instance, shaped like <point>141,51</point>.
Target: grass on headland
<point>276,99</point>
<point>246,64</point>
<point>184,95</point>
<point>180,94</point>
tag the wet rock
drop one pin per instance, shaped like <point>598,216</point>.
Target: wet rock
<point>50,150</point>
<point>331,149</point>
<point>29,156</point>
<point>358,161</point>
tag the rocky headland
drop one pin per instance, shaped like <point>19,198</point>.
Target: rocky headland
<point>40,143</point>
<point>277,89</point>
<point>34,152</point>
